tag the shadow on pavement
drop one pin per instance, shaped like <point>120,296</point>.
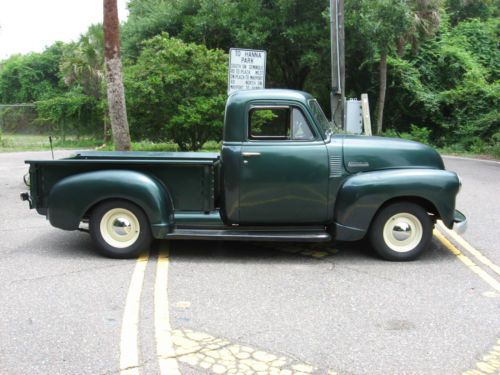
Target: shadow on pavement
<point>236,251</point>
<point>62,244</point>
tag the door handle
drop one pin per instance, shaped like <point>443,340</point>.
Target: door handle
<point>250,153</point>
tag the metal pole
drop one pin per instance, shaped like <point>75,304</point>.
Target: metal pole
<point>341,58</point>
<point>337,45</point>
<point>333,33</point>
<point>337,94</point>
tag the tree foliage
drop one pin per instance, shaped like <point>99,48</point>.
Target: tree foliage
<point>82,64</point>
<point>177,91</point>
<point>31,77</point>
<point>293,32</point>
<point>442,59</point>
<point>69,113</point>
<point>452,86</point>
<point>83,71</point>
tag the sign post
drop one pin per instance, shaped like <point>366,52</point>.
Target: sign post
<point>247,70</point>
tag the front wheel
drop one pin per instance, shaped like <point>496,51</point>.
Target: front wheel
<point>119,229</point>
<point>401,231</point>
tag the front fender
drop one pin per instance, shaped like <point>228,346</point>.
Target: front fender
<point>72,197</point>
<point>361,195</point>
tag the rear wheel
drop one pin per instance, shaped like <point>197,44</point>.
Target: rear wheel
<point>119,229</point>
<point>401,231</point>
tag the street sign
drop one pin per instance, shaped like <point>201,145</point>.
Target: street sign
<point>247,69</point>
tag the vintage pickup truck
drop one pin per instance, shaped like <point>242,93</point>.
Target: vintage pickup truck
<point>283,174</point>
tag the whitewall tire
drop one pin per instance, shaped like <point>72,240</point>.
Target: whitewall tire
<point>401,231</point>
<point>120,229</point>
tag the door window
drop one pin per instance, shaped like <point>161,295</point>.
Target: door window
<point>279,123</point>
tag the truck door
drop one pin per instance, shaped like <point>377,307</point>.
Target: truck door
<point>284,171</point>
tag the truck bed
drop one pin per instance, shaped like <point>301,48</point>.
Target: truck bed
<point>192,178</point>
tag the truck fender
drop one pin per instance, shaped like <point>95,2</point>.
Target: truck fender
<point>72,197</point>
<point>363,194</point>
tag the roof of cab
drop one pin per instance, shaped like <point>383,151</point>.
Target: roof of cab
<point>278,94</point>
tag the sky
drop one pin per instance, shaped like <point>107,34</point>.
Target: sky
<point>32,25</point>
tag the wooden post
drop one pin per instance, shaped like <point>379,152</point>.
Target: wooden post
<point>365,107</point>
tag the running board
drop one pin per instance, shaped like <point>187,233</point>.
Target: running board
<point>303,235</point>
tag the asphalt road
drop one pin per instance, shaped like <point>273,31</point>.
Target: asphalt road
<point>220,307</point>
<point>479,199</point>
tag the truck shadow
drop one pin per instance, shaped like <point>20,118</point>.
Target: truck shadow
<point>79,245</point>
<point>291,252</point>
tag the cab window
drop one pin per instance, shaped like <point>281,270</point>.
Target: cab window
<point>279,123</point>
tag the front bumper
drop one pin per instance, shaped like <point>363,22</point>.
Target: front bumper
<point>459,222</point>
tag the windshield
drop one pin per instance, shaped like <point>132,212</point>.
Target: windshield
<point>320,117</point>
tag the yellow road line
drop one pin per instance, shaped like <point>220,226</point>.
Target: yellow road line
<point>469,263</point>
<point>129,353</point>
<point>468,247</point>
<point>489,363</point>
<point>163,332</point>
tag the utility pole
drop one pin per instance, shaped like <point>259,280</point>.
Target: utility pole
<point>337,37</point>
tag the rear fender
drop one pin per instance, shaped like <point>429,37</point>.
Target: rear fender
<point>362,195</point>
<point>72,197</point>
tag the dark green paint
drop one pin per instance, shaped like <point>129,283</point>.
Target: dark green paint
<point>363,194</point>
<point>72,197</point>
<point>381,153</point>
<point>338,182</point>
<point>286,184</point>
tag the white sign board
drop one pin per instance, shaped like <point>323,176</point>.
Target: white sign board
<point>247,69</point>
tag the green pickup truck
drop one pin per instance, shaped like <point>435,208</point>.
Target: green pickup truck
<point>282,175</point>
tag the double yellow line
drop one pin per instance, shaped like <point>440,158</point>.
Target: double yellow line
<point>479,257</point>
<point>129,344</point>
<point>489,363</point>
<point>167,362</point>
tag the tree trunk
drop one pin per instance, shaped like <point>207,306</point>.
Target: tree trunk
<point>382,89</point>
<point>116,92</point>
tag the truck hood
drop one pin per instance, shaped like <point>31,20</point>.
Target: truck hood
<point>362,153</point>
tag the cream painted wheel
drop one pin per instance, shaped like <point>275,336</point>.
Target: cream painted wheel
<point>402,232</point>
<point>120,228</point>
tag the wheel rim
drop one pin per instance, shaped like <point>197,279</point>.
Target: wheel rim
<point>120,228</point>
<point>403,232</point>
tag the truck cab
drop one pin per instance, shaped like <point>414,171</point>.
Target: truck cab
<point>276,160</point>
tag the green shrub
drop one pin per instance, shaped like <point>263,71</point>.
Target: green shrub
<point>417,134</point>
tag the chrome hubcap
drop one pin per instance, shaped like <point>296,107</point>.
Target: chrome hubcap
<point>121,226</point>
<point>401,231</point>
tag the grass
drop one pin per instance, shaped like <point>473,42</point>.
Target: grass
<point>35,142</point>
<point>491,153</point>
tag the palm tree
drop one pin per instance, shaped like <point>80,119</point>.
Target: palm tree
<point>425,23</point>
<point>115,90</point>
<point>83,63</point>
